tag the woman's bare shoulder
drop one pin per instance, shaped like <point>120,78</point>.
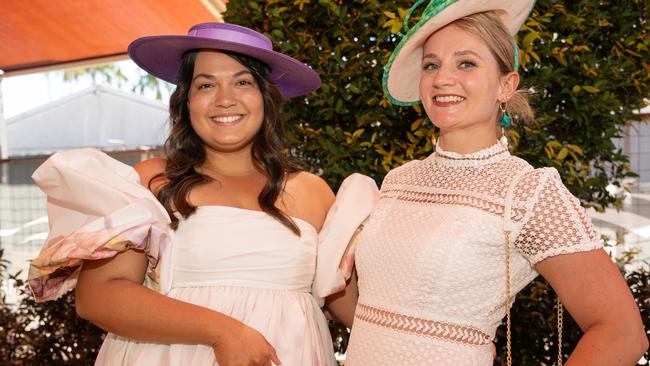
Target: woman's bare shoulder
<point>151,169</point>
<point>310,197</point>
<point>311,186</point>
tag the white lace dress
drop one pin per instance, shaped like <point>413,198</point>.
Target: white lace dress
<point>431,258</point>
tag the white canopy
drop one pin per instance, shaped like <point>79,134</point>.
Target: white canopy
<point>100,116</point>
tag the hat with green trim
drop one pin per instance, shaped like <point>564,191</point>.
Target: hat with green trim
<point>402,72</point>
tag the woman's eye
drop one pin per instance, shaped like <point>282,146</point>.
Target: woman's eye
<point>205,86</point>
<point>244,83</point>
<point>467,64</point>
<point>430,66</point>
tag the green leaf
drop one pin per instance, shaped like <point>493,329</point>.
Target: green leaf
<point>416,124</point>
<point>529,38</point>
<point>590,89</point>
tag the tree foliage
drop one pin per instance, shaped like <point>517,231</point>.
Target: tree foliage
<point>588,66</point>
<point>47,333</point>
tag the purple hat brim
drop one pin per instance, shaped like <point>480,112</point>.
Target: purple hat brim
<point>161,56</point>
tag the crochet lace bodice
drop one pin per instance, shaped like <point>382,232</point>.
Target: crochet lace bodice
<point>431,257</point>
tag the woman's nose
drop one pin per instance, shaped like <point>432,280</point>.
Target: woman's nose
<point>224,97</point>
<point>444,76</point>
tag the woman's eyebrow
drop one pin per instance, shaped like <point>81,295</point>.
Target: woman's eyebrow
<point>212,77</point>
<point>457,53</point>
<point>466,52</point>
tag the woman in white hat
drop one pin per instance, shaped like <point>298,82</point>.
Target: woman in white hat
<point>454,237</point>
<point>223,231</point>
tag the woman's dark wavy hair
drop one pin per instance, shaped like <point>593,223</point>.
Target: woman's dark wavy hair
<point>185,150</point>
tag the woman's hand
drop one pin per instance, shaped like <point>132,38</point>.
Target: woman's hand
<point>244,346</point>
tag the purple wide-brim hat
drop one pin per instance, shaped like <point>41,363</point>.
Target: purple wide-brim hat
<point>162,56</point>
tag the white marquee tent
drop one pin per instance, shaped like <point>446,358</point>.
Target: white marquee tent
<point>100,116</point>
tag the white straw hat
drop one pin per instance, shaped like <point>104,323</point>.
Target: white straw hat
<point>402,72</point>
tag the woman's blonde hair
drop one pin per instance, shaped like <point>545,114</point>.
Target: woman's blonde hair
<point>489,27</point>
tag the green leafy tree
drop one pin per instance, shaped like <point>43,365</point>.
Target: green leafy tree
<point>47,333</point>
<point>588,66</point>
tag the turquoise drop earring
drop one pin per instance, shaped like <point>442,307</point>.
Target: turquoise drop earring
<point>506,121</point>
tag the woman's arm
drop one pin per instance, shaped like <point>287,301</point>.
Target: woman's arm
<point>341,305</point>
<point>597,297</point>
<point>110,294</point>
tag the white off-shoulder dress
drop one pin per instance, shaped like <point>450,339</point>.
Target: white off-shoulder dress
<point>242,263</point>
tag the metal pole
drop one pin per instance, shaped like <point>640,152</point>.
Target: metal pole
<point>3,125</point>
<point>3,155</point>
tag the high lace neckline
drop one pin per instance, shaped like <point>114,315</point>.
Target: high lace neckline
<point>479,158</point>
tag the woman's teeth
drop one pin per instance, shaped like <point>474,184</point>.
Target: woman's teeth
<point>449,99</point>
<point>226,119</point>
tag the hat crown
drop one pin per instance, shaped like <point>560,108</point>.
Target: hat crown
<point>433,8</point>
<point>231,33</point>
<point>162,56</point>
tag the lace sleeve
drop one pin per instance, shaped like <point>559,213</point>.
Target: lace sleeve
<point>555,222</point>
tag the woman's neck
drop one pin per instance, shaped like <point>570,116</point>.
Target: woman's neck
<point>468,140</point>
<point>229,164</point>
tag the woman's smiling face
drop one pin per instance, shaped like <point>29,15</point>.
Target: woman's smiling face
<point>225,103</point>
<point>460,81</point>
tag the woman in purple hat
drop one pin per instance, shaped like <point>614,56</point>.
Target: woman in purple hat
<point>208,255</point>
<point>455,236</point>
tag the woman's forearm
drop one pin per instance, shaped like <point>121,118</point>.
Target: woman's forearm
<point>343,304</point>
<point>341,309</point>
<point>609,346</point>
<point>133,311</point>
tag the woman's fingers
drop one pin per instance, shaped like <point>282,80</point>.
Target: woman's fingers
<point>274,357</point>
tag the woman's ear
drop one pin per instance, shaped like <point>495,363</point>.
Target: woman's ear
<point>508,85</point>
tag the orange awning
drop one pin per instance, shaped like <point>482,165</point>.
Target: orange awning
<point>37,35</point>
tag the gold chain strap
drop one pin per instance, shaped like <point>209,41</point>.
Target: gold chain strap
<point>560,323</point>
<point>508,334</point>
<point>560,312</point>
